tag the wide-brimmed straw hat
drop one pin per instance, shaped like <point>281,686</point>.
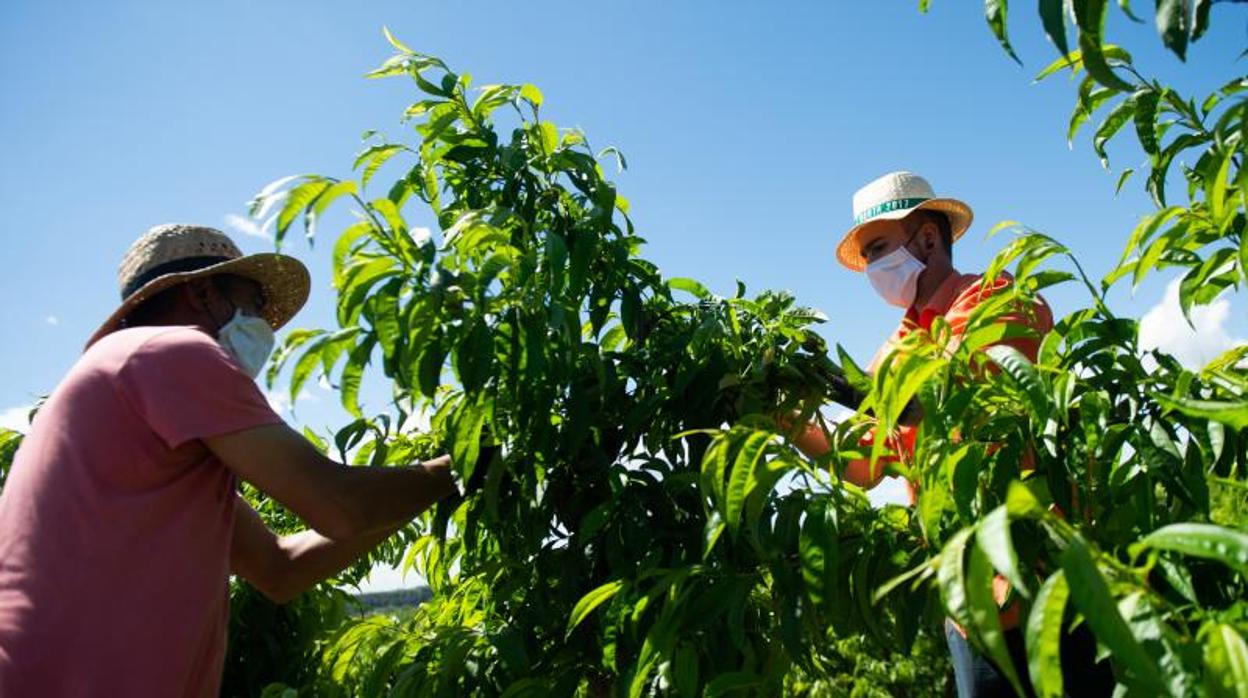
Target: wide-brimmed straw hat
<point>891,197</point>
<point>171,254</point>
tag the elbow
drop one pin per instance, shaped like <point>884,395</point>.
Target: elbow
<point>273,583</point>
<point>341,521</point>
<point>280,594</point>
<point>341,513</point>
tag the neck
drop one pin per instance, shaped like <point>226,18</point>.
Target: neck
<point>937,272</point>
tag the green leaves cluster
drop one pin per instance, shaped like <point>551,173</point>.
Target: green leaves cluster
<point>646,529</point>
<point>609,546</point>
<point>1203,137</point>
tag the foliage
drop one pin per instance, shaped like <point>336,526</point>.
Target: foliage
<point>591,560</point>
<point>647,530</point>
<point>1204,235</point>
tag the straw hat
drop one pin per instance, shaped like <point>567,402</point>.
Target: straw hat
<point>892,197</point>
<point>170,254</point>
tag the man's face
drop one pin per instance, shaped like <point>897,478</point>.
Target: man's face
<point>880,238</point>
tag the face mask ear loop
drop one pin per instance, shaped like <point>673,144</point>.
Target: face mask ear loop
<point>909,240</point>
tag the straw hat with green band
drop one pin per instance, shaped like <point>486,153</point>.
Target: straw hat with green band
<point>892,197</point>
<point>168,255</point>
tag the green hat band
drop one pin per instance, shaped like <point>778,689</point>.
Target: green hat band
<point>894,205</point>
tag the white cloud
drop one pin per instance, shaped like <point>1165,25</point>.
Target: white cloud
<point>15,418</point>
<point>52,320</point>
<point>247,226</point>
<point>1164,327</point>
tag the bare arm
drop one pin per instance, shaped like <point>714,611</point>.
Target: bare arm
<point>340,502</point>
<point>282,567</point>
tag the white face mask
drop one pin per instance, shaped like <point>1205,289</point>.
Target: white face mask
<point>249,339</point>
<point>895,276</point>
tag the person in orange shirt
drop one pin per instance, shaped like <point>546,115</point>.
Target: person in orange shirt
<point>903,237</point>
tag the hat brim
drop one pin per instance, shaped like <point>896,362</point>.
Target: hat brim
<point>849,251</point>
<point>285,280</point>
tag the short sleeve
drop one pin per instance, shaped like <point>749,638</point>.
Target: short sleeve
<point>187,387</point>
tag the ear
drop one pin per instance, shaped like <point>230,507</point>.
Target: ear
<point>931,236</point>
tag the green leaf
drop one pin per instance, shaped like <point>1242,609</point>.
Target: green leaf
<point>347,241</point>
<point>356,283</point>
<point>467,442</point>
<point>1231,413</point>
<point>1113,123</point>
<point>531,93</point>
<point>395,42</point>
<point>1201,24</point>
<point>743,476</point>
<point>1090,19</point>
<point>1161,164</point>
<point>1226,663</point>
<point>1146,101</point>
<point>430,370</point>
<point>1122,179</point>
<point>1084,110</point>
<point>352,374</point>
<point>303,368</point>
<point>374,157</point>
<point>993,537</point>
<point>711,534</point>
<point>1125,5</point>
<point>986,615</point>
<point>1208,541</point>
<point>1217,185</point>
<point>1072,61</point>
<point>1172,18</point>
<point>690,286</point>
<point>298,200</point>
<point>474,357</point>
<point>951,576</point>
<point>685,670</point>
<point>549,136</point>
<point>322,202</point>
<point>293,340</point>
<point>593,600</point>
<point>1053,16</point>
<point>1093,599</point>
<point>996,12</point>
<point>1044,636</point>
<point>1024,373</point>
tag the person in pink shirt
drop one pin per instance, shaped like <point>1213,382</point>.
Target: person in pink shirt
<point>120,522</point>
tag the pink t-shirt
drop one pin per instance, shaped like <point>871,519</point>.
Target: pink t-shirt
<point>116,522</point>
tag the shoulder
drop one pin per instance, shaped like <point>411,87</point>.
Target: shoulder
<point>179,344</point>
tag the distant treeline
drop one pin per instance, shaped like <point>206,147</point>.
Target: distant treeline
<point>398,598</point>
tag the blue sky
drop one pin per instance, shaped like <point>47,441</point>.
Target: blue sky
<point>747,127</point>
